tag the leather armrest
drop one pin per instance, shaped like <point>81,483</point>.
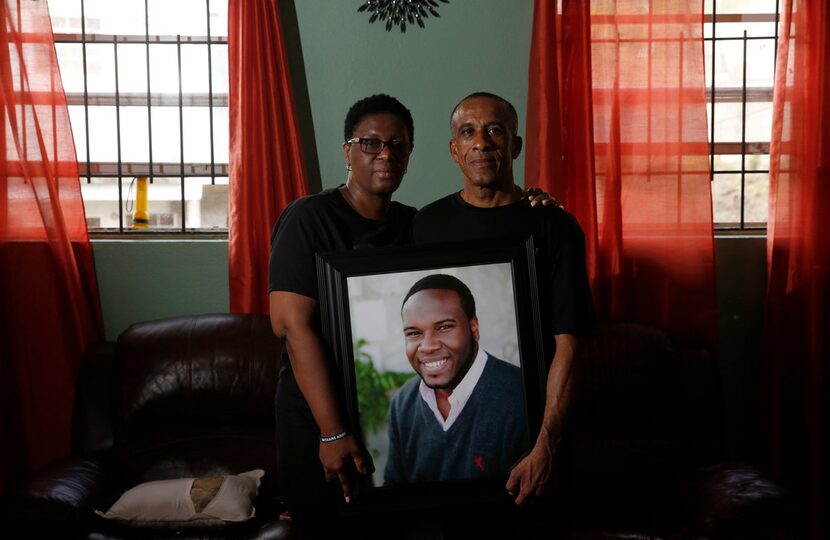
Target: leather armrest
<point>736,501</point>
<point>65,492</point>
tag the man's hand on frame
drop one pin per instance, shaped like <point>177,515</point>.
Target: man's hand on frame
<point>530,477</point>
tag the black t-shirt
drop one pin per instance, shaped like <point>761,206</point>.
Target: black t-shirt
<point>322,223</point>
<point>318,224</point>
<point>562,280</point>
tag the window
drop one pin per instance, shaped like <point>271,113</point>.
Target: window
<point>147,86</point>
<point>741,39</point>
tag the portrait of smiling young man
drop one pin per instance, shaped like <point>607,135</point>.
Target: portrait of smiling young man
<point>464,416</point>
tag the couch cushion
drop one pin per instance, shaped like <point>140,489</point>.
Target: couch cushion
<point>172,502</point>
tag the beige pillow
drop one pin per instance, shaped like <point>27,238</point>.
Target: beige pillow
<point>189,502</point>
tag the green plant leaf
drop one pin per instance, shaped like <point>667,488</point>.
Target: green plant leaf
<point>374,388</point>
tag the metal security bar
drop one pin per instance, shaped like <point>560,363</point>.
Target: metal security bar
<point>742,95</point>
<point>152,168</point>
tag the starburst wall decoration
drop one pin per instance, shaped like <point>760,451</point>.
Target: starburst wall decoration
<point>400,12</point>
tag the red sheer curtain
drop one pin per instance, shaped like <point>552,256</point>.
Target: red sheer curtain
<point>797,326</point>
<point>617,129</point>
<point>48,294</point>
<point>267,169</point>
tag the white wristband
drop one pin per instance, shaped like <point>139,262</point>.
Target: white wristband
<point>332,438</point>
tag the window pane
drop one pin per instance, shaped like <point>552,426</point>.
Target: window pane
<point>101,201</point>
<point>760,63</point>
<point>728,63</point>
<point>736,29</point>
<point>756,196</point>
<point>207,205</point>
<point>728,122</point>
<point>71,63</point>
<point>132,68</point>
<point>164,69</point>
<point>726,198</point>
<point>134,134</point>
<point>218,17</point>
<point>125,17</point>
<point>100,65</point>
<point>221,145</point>
<point>727,162</point>
<point>758,121</point>
<point>757,162</point>
<point>166,142</point>
<point>707,59</point>
<point>194,69</point>
<point>103,143</point>
<point>741,6</point>
<point>220,68</point>
<point>179,17</point>
<point>66,16</point>
<point>196,135</point>
<point>76,118</point>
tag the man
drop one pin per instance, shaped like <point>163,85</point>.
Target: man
<point>464,417</point>
<point>484,143</point>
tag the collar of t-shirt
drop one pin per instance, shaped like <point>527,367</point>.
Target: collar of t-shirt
<point>459,396</point>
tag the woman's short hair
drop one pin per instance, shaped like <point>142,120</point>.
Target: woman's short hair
<point>377,104</point>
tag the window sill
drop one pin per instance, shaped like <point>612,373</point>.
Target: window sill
<point>159,235</point>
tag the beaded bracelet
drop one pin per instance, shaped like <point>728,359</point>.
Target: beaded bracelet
<point>335,437</point>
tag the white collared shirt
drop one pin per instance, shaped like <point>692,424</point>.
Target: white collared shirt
<point>459,396</point>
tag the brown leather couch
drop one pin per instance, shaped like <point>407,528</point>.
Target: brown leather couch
<point>181,397</point>
<point>193,396</point>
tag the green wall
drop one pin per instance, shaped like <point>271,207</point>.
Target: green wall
<point>742,283</point>
<point>480,45</point>
<point>141,280</point>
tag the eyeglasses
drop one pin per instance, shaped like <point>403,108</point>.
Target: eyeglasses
<point>371,145</point>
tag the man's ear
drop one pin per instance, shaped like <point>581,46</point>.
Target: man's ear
<point>454,150</point>
<point>474,328</point>
<point>517,146</point>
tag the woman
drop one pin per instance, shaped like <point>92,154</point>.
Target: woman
<point>311,429</point>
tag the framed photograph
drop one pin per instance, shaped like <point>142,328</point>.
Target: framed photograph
<point>439,349</point>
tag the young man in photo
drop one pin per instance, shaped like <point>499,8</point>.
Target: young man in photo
<point>464,416</point>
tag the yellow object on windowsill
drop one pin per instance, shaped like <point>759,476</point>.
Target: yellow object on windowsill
<point>141,219</point>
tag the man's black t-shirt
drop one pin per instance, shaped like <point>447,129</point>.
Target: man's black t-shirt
<point>565,296</point>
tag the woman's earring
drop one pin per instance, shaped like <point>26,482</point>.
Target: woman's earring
<point>348,166</point>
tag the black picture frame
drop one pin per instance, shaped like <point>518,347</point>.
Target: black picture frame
<point>504,268</point>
